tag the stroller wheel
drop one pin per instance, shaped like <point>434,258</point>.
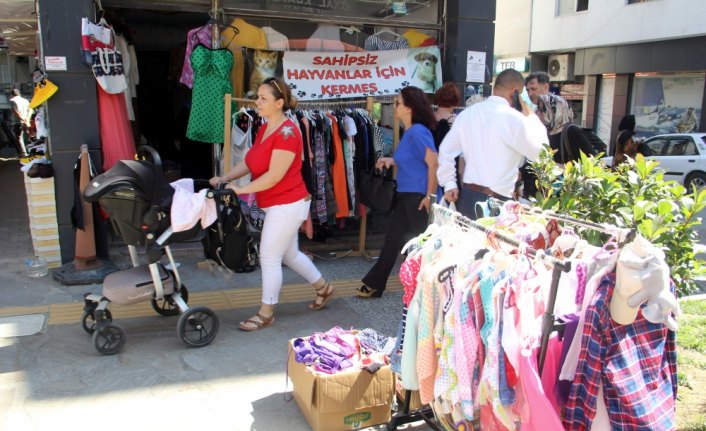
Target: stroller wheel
<point>198,326</point>
<point>88,319</point>
<point>109,339</point>
<point>166,306</point>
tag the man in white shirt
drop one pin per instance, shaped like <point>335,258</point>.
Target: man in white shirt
<point>494,139</point>
<point>23,114</point>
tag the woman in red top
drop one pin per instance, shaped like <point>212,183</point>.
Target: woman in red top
<point>275,163</point>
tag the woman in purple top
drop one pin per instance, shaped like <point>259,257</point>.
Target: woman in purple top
<point>416,162</point>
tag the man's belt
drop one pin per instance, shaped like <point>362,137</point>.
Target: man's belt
<point>484,190</point>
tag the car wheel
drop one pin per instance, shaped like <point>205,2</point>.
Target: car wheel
<point>695,181</point>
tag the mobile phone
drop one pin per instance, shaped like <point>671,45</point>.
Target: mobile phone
<point>516,100</point>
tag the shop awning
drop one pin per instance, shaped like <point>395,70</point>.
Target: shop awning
<point>18,27</point>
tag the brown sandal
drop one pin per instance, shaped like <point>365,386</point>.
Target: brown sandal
<point>325,297</point>
<point>264,321</point>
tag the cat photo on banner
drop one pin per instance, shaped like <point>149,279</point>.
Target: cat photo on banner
<point>263,64</point>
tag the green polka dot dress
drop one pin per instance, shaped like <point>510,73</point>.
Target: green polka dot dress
<point>211,81</point>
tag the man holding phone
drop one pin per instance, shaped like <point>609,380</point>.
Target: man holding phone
<point>494,137</point>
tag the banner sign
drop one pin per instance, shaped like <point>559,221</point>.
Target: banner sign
<point>334,75</point>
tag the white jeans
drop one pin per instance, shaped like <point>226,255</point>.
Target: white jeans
<point>279,244</point>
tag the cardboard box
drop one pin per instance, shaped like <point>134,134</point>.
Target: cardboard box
<point>343,401</point>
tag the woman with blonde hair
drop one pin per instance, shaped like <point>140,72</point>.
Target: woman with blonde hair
<point>275,163</point>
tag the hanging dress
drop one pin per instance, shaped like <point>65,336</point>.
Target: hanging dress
<point>241,140</point>
<point>116,134</point>
<point>211,81</point>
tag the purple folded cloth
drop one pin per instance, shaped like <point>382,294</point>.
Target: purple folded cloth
<point>328,352</point>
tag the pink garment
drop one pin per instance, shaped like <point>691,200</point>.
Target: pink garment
<point>116,134</point>
<point>408,277</point>
<point>196,36</point>
<point>543,417</point>
<point>189,207</point>
<point>550,371</point>
<point>466,349</point>
<point>427,355</point>
<point>523,311</point>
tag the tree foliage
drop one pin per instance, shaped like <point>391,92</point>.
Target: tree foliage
<point>636,195</point>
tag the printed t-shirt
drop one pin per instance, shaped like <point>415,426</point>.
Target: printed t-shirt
<point>291,187</point>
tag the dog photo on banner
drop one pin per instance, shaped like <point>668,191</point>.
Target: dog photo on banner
<point>426,68</point>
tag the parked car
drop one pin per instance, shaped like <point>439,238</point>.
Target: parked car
<point>681,155</point>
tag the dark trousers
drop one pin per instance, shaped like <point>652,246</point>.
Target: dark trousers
<point>406,222</point>
<point>21,136</point>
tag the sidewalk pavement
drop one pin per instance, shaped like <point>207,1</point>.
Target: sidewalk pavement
<point>51,376</point>
<point>55,378</point>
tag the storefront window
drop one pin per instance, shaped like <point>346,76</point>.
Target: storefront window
<point>667,103</point>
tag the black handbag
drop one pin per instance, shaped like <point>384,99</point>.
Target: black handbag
<point>377,190</point>
<point>227,241</point>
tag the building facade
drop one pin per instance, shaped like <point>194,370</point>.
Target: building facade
<point>639,57</point>
<point>461,26</point>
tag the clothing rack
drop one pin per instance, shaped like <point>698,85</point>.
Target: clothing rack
<point>558,266</point>
<point>549,320</point>
<point>440,214</point>
<point>366,103</point>
<point>445,215</point>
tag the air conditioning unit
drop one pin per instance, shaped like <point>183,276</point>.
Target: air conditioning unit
<point>561,67</point>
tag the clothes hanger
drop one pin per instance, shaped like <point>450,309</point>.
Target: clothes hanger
<point>386,31</point>
<point>566,241</point>
<point>244,111</point>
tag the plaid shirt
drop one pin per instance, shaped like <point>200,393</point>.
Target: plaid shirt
<point>636,364</point>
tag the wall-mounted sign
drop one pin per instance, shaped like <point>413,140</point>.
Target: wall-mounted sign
<point>517,63</point>
<point>54,63</point>
<point>572,91</point>
<point>331,75</point>
<point>475,66</point>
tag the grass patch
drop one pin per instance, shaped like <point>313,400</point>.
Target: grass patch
<point>683,380</point>
<point>693,307</point>
<point>695,424</point>
<point>690,358</point>
<point>691,366</point>
<point>692,326</point>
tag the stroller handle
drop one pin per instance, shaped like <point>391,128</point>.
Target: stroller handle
<point>220,192</point>
<point>146,150</point>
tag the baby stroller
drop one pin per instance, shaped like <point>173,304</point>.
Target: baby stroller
<point>138,199</point>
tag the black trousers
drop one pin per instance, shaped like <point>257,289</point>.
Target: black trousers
<point>406,222</point>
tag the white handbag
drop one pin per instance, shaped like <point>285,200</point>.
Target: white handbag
<point>106,62</point>
<point>108,70</point>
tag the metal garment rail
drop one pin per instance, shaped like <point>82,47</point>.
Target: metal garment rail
<point>548,322</point>
<point>558,266</point>
<point>443,215</point>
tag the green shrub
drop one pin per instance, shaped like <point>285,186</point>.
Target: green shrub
<point>634,196</point>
